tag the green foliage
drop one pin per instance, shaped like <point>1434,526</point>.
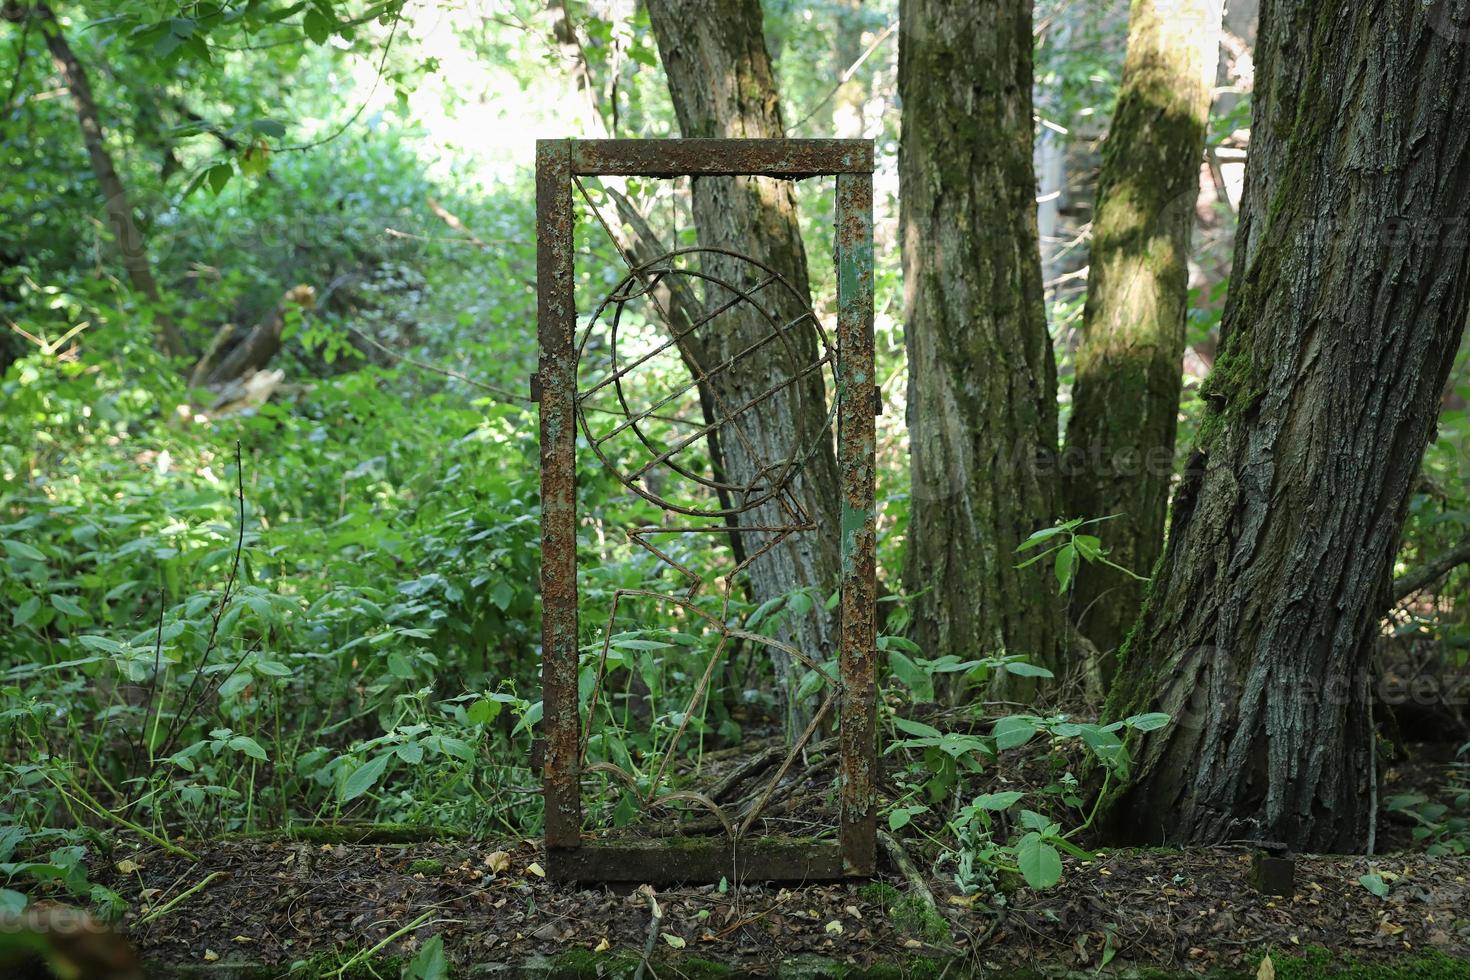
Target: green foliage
<point>1440,825</point>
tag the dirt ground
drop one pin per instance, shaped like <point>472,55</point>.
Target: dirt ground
<point>283,901</point>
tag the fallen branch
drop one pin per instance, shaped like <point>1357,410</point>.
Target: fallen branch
<point>654,921</point>
<point>367,954</point>
<point>173,903</point>
<point>1430,572</point>
<point>906,867</point>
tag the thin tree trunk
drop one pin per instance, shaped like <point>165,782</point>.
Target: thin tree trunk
<point>982,410</point>
<point>1348,302</point>
<point>721,81</point>
<point>1125,403</point>
<point>130,243</point>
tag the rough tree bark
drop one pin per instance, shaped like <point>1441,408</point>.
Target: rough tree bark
<point>1120,438</point>
<point>982,411</point>
<point>1348,301</point>
<point>130,243</point>
<point>722,84</point>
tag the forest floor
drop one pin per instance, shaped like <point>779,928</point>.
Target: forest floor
<point>1193,911</point>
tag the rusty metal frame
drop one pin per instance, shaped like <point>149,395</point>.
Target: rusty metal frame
<point>569,855</point>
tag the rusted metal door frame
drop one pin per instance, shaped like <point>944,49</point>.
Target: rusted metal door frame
<point>558,163</point>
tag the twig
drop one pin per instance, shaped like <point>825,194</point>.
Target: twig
<point>219,612</point>
<point>847,75</point>
<point>1426,574</point>
<point>152,683</point>
<point>367,954</point>
<point>445,372</point>
<point>377,80</point>
<point>172,903</point>
<point>654,921</point>
<point>906,867</point>
<point>93,804</point>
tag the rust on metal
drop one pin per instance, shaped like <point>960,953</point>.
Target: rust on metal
<point>791,159</point>
<point>856,435</point>
<point>556,320</point>
<point>565,407</point>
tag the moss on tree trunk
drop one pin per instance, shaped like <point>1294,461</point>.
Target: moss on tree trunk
<point>722,85</point>
<point>1120,437</point>
<point>982,412</point>
<point>1348,301</point>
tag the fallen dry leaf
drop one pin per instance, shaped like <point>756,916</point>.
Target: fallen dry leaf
<point>497,861</point>
<point>127,866</point>
<point>602,946</point>
<point>210,956</point>
<point>535,869</point>
<point>1267,969</point>
<point>677,942</point>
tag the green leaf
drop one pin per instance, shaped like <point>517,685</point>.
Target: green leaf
<point>411,752</point>
<point>916,728</point>
<point>67,605</point>
<point>317,27</point>
<point>1013,731</point>
<point>12,903</point>
<point>364,778</point>
<point>1066,567</point>
<point>501,595</point>
<point>1022,669</point>
<point>912,677</point>
<point>430,963</point>
<point>218,176</point>
<point>1037,537</point>
<point>399,666</point>
<point>1040,863</point>
<point>899,819</point>
<point>103,643</point>
<point>238,682</point>
<point>1375,884</point>
<point>1147,723</point>
<point>483,712</point>
<point>998,801</point>
<point>19,549</point>
<point>248,745</point>
<point>26,611</point>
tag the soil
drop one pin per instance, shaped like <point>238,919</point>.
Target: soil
<point>1193,911</point>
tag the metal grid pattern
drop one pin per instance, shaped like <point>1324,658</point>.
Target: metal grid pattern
<point>565,408</point>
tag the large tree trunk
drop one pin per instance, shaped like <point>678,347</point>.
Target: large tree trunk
<point>1348,301</point>
<point>720,77</point>
<point>130,243</point>
<point>982,409</point>
<point>1125,403</point>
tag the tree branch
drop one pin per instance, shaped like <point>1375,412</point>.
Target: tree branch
<point>1426,574</point>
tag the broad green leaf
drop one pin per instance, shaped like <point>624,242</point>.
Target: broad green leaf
<point>916,728</point>
<point>12,903</point>
<point>1040,863</point>
<point>1023,669</point>
<point>26,611</point>
<point>364,778</point>
<point>1375,884</point>
<point>1148,722</point>
<point>218,176</point>
<point>19,549</point>
<point>1013,731</point>
<point>998,801</point>
<point>248,745</point>
<point>67,606</point>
